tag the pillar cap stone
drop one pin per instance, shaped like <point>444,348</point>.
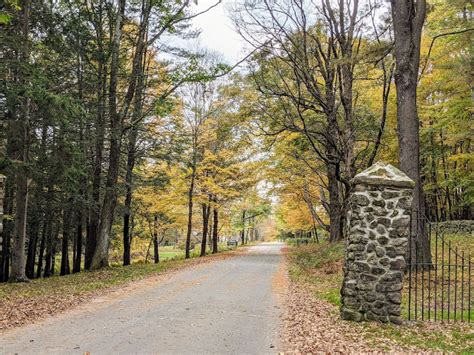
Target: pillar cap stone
<point>383,174</point>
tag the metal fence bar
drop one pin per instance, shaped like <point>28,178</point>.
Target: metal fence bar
<point>455,282</point>
<point>462,288</point>
<point>442,279</point>
<point>449,278</point>
<point>416,273</point>
<point>410,244</point>
<point>429,276</point>
<point>422,280</point>
<point>469,292</point>
<point>436,276</point>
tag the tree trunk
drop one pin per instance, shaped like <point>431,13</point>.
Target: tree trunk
<point>48,261</point>
<point>7,230</point>
<point>215,230</point>
<point>94,217</point>
<point>128,197</point>
<point>19,236</point>
<point>101,253</point>
<point>335,213</point>
<point>100,258</point>
<point>408,17</point>
<point>65,267</point>
<point>49,246</point>
<point>206,209</point>
<point>22,131</point>
<point>32,246</point>
<point>78,255</point>
<point>242,232</point>
<point>132,142</point>
<point>39,268</point>
<point>190,209</point>
<point>156,251</point>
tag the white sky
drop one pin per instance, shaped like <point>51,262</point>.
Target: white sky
<point>217,31</point>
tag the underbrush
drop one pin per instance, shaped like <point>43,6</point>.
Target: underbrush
<point>319,266</point>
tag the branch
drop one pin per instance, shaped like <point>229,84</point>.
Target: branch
<point>432,43</point>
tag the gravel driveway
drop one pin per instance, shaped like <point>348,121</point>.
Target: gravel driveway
<point>228,306</point>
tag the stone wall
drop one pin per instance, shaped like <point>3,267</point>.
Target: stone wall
<point>454,227</point>
<point>377,238</point>
<point>2,191</point>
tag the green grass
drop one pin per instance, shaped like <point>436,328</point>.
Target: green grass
<point>455,338</point>
<point>320,265</point>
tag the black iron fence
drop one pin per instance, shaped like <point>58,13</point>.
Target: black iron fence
<point>438,283</point>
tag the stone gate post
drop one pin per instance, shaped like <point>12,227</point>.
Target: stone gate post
<point>2,191</point>
<point>377,237</point>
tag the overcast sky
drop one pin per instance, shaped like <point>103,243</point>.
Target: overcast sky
<point>218,32</point>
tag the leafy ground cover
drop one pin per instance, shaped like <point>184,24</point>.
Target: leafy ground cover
<point>318,269</point>
<point>23,303</point>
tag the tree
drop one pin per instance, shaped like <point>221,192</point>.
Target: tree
<point>21,132</point>
<point>408,17</point>
<point>305,70</point>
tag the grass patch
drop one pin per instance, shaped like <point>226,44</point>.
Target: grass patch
<point>320,266</point>
<point>453,338</point>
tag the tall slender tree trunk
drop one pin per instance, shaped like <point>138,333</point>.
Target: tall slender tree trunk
<point>32,246</point>
<point>190,205</point>
<point>101,93</point>
<point>206,210</point>
<point>22,130</point>
<point>7,230</point>
<point>156,251</point>
<point>101,253</point>
<point>408,18</point>
<point>131,157</point>
<point>215,230</point>
<point>335,213</point>
<point>128,196</point>
<point>96,179</point>
<point>65,267</point>
<point>117,117</point>
<point>242,232</point>
<point>39,267</point>
<point>78,243</point>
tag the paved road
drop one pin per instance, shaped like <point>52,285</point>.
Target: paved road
<point>225,306</point>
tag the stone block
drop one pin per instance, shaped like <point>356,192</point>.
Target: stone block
<point>388,287</point>
<point>379,251</point>
<point>349,314</point>
<point>378,203</point>
<point>398,264</point>
<point>382,240</point>
<point>386,222</point>
<point>394,297</point>
<point>360,200</point>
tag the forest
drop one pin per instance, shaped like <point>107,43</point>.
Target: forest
<point>119,140</point>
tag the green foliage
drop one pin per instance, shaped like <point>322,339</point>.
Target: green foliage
<point>8,10</point>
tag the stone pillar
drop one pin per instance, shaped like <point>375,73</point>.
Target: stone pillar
<point>2,191</point>
<point>377,237</point>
